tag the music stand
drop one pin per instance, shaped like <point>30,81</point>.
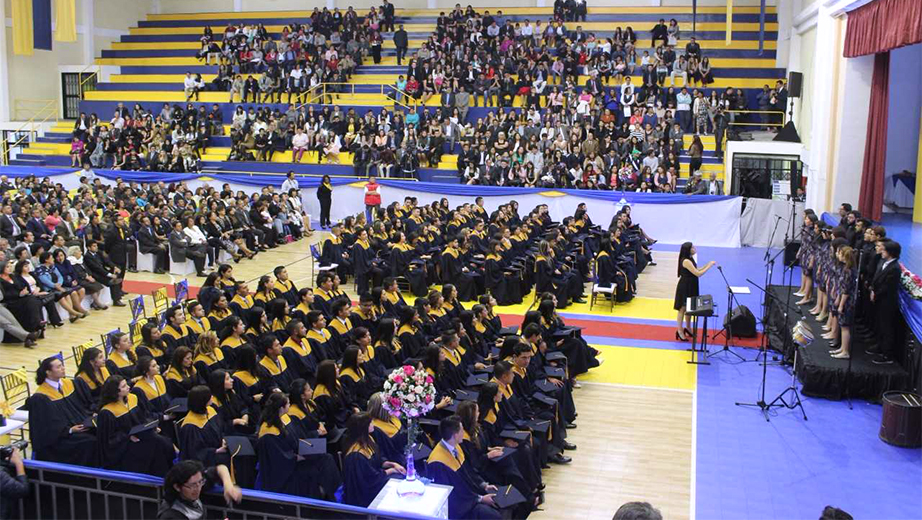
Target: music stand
<point>694,342</point>
<point>727,329</point>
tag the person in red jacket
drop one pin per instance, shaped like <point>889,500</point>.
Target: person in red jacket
<point>372,199</point>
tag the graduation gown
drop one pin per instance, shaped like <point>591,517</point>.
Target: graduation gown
<point>332,253</point>
<point>205,364</point>
<point>334,406</point>
<point>391,439</point>
<point>179,384</point>
<point>453,272</point>
<point>300,358</point>
<point>390,356</point>
<point>279,372</point>
<point>280,470</point>
<point>451,470</point>
<point>159,352</point>
<point>152,454</point>
<point>200,436</point>
<point>118,365</point>
<point>52,413</point>
<point>501,284</point>
<point>93,387</point>
<point>363,476</point>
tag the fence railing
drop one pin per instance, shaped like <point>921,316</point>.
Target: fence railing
<point>43,111</point>
<point>774,117</point>
<point>323,93</point>
<point>77,492</point>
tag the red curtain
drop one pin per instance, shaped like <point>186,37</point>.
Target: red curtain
<point>883,25</point>
<point>871,199</point>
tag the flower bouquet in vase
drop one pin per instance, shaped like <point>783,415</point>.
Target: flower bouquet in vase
<point>409,394</point>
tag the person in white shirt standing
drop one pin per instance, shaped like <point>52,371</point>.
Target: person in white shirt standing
<point>291,183</point>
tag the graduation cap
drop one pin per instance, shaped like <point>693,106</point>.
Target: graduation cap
<point>506,452</point>
<point>143,427</point>
<point>494,352</point>
<point>421,451</point>
<point>89,422</point>
<point>312,446</point>
<point>509,331</point>
<point>546,386</point>
<point>178,405</point>
<point>425,421</point>
<point>555,355</point>
<point>487,369</point>
<point>542,398</point>
<point>539,425</point>
<point>238,445</point>
<point>555,372</point>
<point>565,332</point>
<point>517,435</point>
<point>508,496</point>
<point>476,380</point>
<point>466,395</point>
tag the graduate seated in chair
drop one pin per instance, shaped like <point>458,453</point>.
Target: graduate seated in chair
<point>471,497</point>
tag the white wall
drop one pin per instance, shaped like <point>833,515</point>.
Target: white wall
<point>851,132</point>
<point>905,108</point>
<point>38,77</point>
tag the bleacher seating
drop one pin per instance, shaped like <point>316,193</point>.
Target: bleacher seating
<point>155,55</point>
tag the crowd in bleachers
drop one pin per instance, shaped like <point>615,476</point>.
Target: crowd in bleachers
<point>281,363</point>
<point>613,131</point>
<point>57,247</point>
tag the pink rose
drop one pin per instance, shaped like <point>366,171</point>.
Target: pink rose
<point>428,399</point>
<point>429,379</point>
<point>395,402</point>
<point>408,370</point>
<point>398,379</point>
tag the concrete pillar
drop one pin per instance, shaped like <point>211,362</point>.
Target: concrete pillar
<point>238,6</point>
<point>89,22</point>
<point>825,111</point>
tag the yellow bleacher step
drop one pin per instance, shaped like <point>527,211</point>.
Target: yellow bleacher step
<point>233,16</point>
<point>142,46</point>
<point>155,95</point>
<point>219,153</point>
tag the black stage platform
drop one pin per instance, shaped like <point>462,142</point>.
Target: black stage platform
<point>821,374</point>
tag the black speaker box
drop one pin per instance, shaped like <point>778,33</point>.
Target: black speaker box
<point>742,323</point>
<point>795,83</point>
<point>790,253</point>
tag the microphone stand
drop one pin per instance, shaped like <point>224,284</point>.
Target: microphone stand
<point>854,295</point>
<point>769,275</point>
<point>761,404</point>
<point>728,325</point>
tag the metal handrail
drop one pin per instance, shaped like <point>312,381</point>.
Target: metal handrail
<point>775,112</point>
<point>311,95</point>
<point>81,89</point>
<point>92,487</point>
<point>49,109</point>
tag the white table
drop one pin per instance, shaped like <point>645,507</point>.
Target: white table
<point>433,503</point>
<point>11,426</point>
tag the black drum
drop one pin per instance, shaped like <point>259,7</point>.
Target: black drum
<point>901,424</point>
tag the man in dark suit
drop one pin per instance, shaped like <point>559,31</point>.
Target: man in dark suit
<point>255,238</point>
<point>104,271</point>
<point>148,244</point>
<point>401,42</point>
<point>9,228</point>
<point>885,287</point>
<point>37,226</point>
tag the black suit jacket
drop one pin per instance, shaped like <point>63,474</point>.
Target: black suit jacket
<point>97,266</point>
<point>6,228</point>
<point>147,242</point>
<point>117,245</point>
<point>886,286</point>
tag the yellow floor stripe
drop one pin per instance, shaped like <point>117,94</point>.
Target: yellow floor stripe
<point>648,367</point>
<point>642,308</point>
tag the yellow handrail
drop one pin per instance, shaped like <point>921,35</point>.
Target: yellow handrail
<point>48,110</point>
<point>81,88</point>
